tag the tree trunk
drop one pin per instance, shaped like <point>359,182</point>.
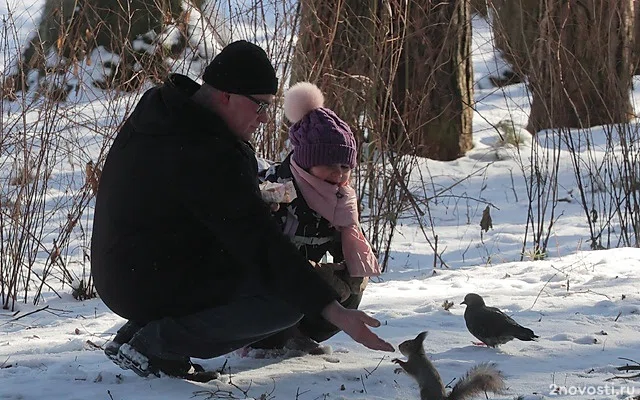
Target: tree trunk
<point>428,68</point>
<point>433,89</point>
<point>71,29</point>
<point>334,49</point>
<point>582,68</point>
<point>636,38</point>
<point>515,29</point>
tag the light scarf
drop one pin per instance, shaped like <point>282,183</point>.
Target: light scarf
<point>339,205</point>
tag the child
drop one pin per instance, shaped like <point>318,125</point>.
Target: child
<point>324,215</point>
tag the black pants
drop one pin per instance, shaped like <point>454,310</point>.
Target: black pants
<point>313,326</point>
<point>216,331</point>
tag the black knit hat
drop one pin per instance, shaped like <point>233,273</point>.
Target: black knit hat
<point>242,68</point>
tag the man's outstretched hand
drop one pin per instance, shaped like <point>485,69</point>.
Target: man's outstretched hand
<point>356,324</point>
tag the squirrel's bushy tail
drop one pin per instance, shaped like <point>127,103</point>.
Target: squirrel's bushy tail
<point>479,379</point>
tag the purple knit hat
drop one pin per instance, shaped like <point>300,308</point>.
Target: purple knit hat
<point>318,135</point>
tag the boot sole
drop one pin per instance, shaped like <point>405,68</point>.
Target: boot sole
<point>128,358</point>
<point>111,351</point>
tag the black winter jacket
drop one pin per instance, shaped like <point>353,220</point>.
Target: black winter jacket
<point>179,223</point>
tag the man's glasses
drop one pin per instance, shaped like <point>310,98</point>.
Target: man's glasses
<point>262,105</point>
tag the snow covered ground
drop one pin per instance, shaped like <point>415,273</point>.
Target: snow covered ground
<point>584,305</point>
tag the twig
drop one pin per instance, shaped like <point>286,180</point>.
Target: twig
<point>629,368</point>
<point>628,359</point>
<point>513,186</point>
<point>93,345</point>
<point>362,381</point>
<point>435,252</point>
<point>109,393</point>
<point>10,315</point>
<point>298,393</point>
<point>244,392</point>
<point>61,314</point>
<point>221,369</point>
<point>448,385</point>
<point>25,315</point>
<point>622,377</point>
<point>270,394</point>
<point>462,197</point>
<point>215,394</point>
<point>374,370</point>
<point>542,289</point>
<point>617,316</point>
<point>228,394</point>
<point>594,292</point>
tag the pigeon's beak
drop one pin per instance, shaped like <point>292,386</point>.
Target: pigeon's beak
<point>463,302</point>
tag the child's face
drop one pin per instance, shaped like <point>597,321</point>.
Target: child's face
<point>337,174</point>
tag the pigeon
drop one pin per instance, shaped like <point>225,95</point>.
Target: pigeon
<point>490,325</point>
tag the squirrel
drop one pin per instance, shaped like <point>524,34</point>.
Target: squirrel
<point>481,378</point>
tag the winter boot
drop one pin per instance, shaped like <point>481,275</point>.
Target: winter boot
<point>124,334</point>
<point>130,358</point>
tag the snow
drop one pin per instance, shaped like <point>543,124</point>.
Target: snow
<point>17,20</point>
<point>584,305</point>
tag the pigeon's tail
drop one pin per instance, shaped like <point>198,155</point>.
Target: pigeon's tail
<point>525,334</point>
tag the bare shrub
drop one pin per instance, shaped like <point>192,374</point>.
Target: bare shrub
<point>399,74</point>
<point>45,216</point>
<point>479,7</point>
<point>608,180</point>
<point>577,60</point>
<point>45,204</point>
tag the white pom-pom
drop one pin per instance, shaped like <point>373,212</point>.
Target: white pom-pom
<point>300,99</point>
